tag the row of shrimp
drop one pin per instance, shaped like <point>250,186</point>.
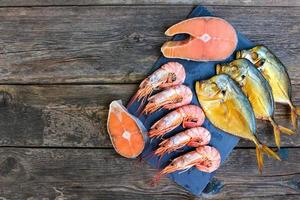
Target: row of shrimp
<point>175,96</point>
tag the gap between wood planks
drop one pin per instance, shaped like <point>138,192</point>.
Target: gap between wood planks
<point>234,3</point>
<point>97,148</point>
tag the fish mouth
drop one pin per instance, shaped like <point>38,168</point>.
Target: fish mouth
<point>239,54</point>
<point>218,68</point>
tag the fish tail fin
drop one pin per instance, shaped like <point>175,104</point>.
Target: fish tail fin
<point>277,131</point>
<point>298,111</point>
<point>269,152</point>
<point>286,130</point>
<point>260,149</point>
<point>260,159</point>
<point>294,114</point>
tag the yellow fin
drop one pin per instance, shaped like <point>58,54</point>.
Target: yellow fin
<point>260,160</point>
<point>269,152</point>
<point>298,110</point>
<point>294,113</point>
<point>276,132</point>
<point>260,149</point>
<point>286,130</point>
<point>277,136</point>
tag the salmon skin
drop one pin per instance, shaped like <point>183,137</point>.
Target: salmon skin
<point>275,73</point>
<point>127,134</point>
<point>257,89</point>
<point>211,39</point>
<point>227,108</point>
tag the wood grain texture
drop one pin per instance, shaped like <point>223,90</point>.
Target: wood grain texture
<point>101,174</point>
<point>75,116</point>
<point>119,44</point>
<point>145,2</point>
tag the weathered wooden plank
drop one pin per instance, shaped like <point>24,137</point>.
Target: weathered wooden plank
<point>143,2</point>
<point>75,115</point>
<point>101,174</point>
<point>105,44</point>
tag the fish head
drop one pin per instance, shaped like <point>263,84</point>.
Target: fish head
<point>214,88</point>
<point>237,69</point>
<point>257,55</point>
<point>208,90</point>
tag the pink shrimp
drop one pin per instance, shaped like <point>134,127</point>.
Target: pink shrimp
<point>205,158</point>
<point>170,74</point>
<point>170,98</point>
<point>189,115</point>
<point>193,137</point>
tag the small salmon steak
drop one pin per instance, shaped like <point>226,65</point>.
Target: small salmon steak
<point>211,39</point>
<point>127,133</point>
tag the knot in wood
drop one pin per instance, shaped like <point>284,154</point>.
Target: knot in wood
<point>5,98</point>
<point>136,37</point>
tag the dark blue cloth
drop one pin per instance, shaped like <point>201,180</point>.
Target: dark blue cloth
<point>193,180</point>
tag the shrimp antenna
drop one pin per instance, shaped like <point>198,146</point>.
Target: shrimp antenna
<point>156,179</point>
<point>132,100</point>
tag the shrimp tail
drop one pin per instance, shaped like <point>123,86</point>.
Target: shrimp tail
<point>277,131</point>
<point>260,149</point>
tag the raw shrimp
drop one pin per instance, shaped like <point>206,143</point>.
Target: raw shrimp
<point>170,98</point>
<point>193,137</point>
<point>190,116</point>
<point>205,158</point>
<point>170,74</point>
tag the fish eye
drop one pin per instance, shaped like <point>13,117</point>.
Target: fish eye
<point>261,62</point>
<point>254,55</point>
<point>173,77</point>
<point>243,76</point>
<point>223,92</point>
<point>194,120</point>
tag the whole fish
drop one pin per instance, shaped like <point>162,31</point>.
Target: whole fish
<point>227,108</point>
<point>275,73</point>
<point>257,89</point>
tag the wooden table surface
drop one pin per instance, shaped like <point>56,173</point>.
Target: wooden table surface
<point>62,63</point>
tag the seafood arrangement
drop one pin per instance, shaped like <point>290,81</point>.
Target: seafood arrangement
<point>172,95</point>
<point>241,91</point>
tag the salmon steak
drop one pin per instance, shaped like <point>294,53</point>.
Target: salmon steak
<point>127,133</point>
<point>210,39</point>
